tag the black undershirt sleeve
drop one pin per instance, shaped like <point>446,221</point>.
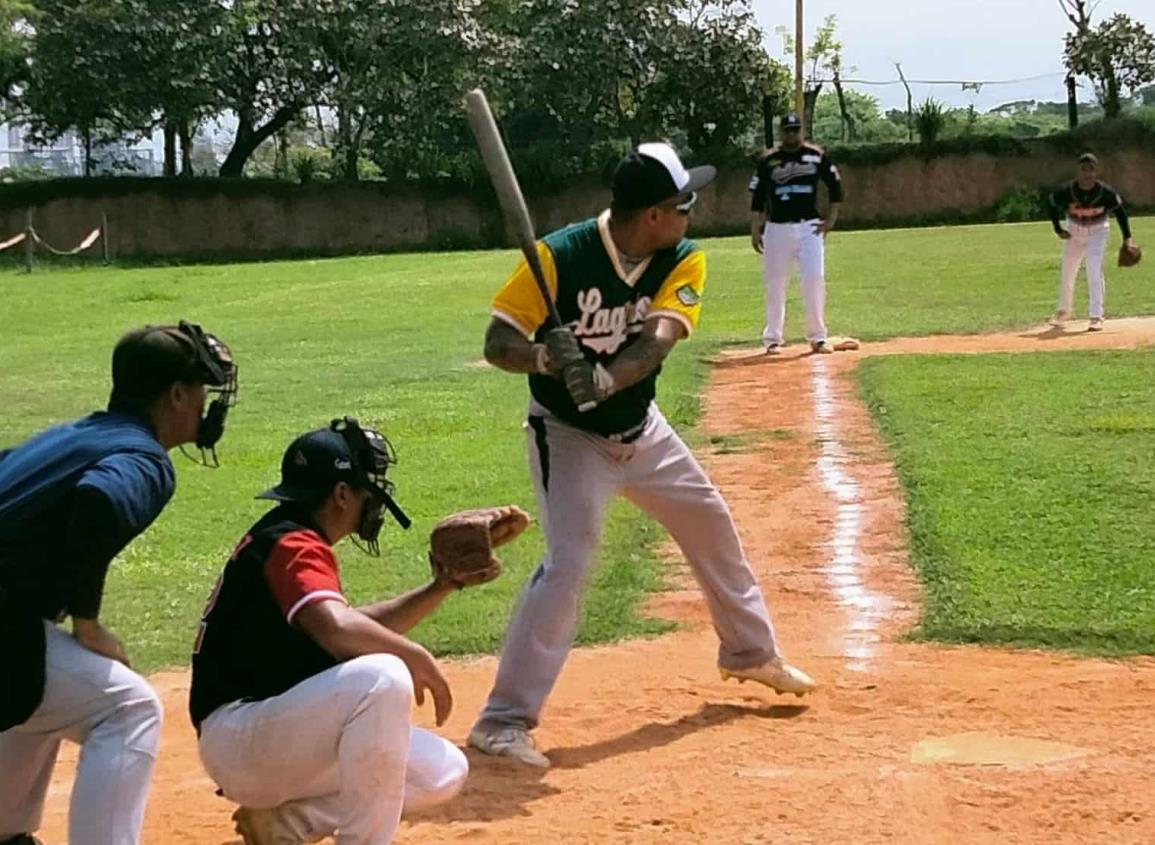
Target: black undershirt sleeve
<point>1124,220</point>
<point>1056,205</point>
<point>92,538</point>
<point>758,195</point>
<point>830,177</point>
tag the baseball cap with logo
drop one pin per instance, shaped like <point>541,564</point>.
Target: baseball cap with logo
<point>318,459</point>
<point>790,121</point>
<point>652,174</point>
<point>312,464</point>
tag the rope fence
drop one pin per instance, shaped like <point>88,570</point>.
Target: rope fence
<point>32,239</point>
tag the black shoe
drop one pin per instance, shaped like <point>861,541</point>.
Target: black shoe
<point>22,839</point>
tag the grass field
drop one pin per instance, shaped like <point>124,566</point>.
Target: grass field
<point>395,340</point>
<point>1030,493</point>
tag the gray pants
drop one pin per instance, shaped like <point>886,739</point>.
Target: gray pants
<point>576,474</point>
<point>115,716</point>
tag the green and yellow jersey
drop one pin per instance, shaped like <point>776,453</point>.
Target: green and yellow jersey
<point>605,304</point>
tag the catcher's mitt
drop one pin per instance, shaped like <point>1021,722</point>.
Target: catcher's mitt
<point>461,545</point>
<point>1129,256</point>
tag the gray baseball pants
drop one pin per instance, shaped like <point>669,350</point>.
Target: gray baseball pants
<point>575,475</point>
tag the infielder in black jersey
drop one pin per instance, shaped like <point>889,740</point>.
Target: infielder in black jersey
<point>785,226</point>
<point>628,286</point>
<point>1086,202</point>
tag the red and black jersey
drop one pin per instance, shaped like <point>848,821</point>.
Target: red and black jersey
<point>248,648</point>
<point>1090,207</point>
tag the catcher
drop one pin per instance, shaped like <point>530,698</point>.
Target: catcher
<point>301,702</point>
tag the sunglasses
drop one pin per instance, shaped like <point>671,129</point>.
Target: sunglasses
<point>686,207</point>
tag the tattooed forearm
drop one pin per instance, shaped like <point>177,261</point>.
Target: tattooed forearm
<point>646,354</point>
<point>508,349</point>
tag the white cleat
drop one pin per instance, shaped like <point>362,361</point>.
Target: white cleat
<point>1060,319</point>
<point>821,347</point>
<point>508,742</point>
<point>1096,324</point>
<point>773,348</point>
<point>776,674</point>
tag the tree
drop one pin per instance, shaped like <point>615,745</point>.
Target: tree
<point>179,46</point>
<point>712,72</point>
<point>1117,56</point>
<point>272,66</point>
<point>83,73</point>
<point>871,125</point>
<point>398,72</point>
<point>15,44</point>
<point>825,57</point>
<point>584,65</point>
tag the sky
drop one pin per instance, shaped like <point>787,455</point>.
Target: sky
<point>950,39</point>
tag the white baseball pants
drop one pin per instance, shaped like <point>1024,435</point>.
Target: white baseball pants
<point>336,754</point>
<point>782,245</point>
<point>115,717</point>
<point>1089,242</point>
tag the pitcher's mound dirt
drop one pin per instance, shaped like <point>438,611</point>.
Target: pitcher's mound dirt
<point>649,746</point>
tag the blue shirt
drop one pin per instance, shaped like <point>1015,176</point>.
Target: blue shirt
<point>112,454</point>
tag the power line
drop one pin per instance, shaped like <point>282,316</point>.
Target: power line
<point>968,82</point>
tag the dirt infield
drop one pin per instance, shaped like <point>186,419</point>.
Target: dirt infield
<point>904,742</point>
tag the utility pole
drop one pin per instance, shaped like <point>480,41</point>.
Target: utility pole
<point>799,102</point>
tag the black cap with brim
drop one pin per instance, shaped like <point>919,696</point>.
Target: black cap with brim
<point>313,464</point>
<point>653,174</point>
<point>790,121</point>
<point>293,493</point>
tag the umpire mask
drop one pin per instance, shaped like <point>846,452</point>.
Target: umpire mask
<point>214,367</point>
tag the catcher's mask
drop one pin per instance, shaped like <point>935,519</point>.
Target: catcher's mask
<point>372,455</point>
<point>217,370</point>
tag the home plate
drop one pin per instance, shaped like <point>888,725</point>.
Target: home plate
<point>986,749</point>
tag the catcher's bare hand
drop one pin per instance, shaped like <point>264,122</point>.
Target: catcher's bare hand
<point>1063,235</point>
<point>461,545</point>
<point>427,675</point>
<point>756,241</point>
<point>821,227</point>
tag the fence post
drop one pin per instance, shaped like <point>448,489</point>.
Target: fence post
<point>104,236</point>
<point>29,246</point>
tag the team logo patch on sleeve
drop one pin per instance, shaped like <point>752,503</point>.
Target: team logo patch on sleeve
<point>688,296</point>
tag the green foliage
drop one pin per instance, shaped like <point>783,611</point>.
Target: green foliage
<point>1029,495</point>
<point>870,125</point>
<point>929,121</point>
<point>24,173</point>
<point>1020,204</point>
<point>1118,56</point>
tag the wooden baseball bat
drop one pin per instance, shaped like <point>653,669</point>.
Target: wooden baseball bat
<point>513,206</point>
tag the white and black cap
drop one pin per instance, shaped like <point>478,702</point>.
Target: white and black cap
<point>652,174</point>
<point>790,121</point>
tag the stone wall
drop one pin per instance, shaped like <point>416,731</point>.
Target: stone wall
<point>156,219</point>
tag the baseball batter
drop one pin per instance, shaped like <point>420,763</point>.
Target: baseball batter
<point>71,499</point>
<point>786,226</point>
<point>303,703</point>
<point>1087,202</point>
<point>628,286</point>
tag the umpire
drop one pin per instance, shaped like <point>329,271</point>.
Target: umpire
<point>71,498</point>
